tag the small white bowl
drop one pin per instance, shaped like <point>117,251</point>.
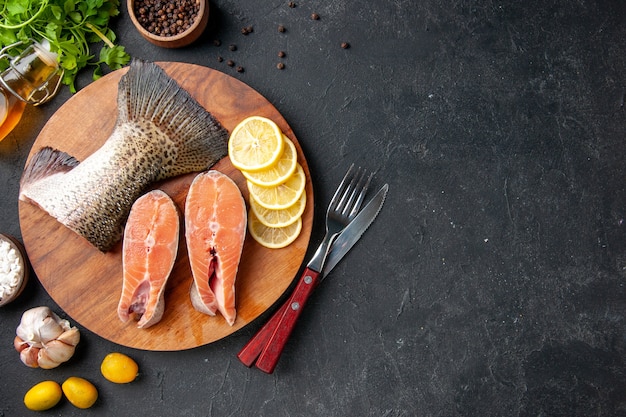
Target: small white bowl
<point>23,278</point>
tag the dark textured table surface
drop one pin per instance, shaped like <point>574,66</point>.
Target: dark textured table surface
<point>492,283</point>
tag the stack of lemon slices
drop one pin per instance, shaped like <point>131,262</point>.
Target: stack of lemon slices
<point>269,162</point>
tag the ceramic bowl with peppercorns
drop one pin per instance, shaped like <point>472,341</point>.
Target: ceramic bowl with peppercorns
<point>169,23</point>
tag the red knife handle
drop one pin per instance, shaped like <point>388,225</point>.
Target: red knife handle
<point>271,353</point>
<point>251,351</point>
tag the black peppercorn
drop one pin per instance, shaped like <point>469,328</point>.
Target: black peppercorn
<point>315,16</point>
<point>217,42</point>
<point>292,4</point>
<point>281,28</point>
<point>230,63</point>
<point>280,65</point>
<point>168,19</point>
<point>345,45</point>
<point>220,59</point>
<point>239,69</point>
<point>232,47</point>
<point>281,54</point>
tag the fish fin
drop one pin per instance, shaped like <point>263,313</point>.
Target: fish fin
<point>146,92</point>
<point>47,161</point>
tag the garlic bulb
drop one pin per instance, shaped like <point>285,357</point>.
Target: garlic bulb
<point>44,339</point>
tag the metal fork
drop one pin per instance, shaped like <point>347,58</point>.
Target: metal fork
<point>267,345</point>
<point>343,207</point>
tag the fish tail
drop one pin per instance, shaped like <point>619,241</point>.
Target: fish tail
<point>147,93</point>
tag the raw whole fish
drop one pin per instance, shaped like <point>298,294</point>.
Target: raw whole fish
<point>215,230</point>
<point>160,132</point>
<point>149,251</point>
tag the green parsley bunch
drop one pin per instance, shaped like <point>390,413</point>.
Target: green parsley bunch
<point>71,26</point>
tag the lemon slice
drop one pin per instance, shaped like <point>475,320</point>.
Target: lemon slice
<point>273,237</point>
<point>279,218</point>
<point>280,171</point>
<point>280,196</point>
<point>255,144</point>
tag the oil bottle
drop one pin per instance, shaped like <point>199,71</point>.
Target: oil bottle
<point>32,77</point>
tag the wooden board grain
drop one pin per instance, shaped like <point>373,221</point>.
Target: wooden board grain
<point>87,284</point>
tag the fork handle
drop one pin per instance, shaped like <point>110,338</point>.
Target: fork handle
<point>268,358</point>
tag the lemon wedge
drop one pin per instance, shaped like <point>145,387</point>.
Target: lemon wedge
<point>280,196</point>
<point>280,171</point>
<point>273,237</point>
<point>255,144</point>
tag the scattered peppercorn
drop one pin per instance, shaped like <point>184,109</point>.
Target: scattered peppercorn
<point>239,69</point>
<point>230,63</point>
<point>247,30</point>
<point>345,45</point>
<point>281,54</point>
<point>166,18</point>
<point>232,48</point>
<point>220,59</point>
<point>280,65</point>
<point>281,28</point>
<point>292,4</point>
<point>217,42</point>
<point>315,16</point>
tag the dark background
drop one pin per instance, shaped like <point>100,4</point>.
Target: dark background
<point>492,283</point>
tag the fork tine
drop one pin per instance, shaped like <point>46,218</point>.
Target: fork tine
<point>361,196</point>
<point>335,201</point>
<point>348,193</point>
<point>357,186</point>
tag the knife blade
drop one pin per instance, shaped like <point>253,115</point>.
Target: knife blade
<point>353,232</point>
<point>342,244</point>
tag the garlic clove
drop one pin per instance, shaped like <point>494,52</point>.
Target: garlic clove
<point>29,356</point>
<point>55,353</point>
<point>70,337</point>
<point>45,362</point>
<point>19,344</point>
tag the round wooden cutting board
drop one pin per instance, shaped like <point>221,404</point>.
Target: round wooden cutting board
<point>87,284</point>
